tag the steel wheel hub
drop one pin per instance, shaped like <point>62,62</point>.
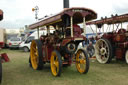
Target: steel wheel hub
<point>102,51</point>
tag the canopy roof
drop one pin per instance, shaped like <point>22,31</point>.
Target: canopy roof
<point>1,14</point>
<point>58,19</point>
<point>112,20</point>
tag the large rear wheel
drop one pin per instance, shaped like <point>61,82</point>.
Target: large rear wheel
<point>104,51</point>
<point>56,63</point>
<point>36,55</point>
<point>82,61</point>
<point>126,56</point>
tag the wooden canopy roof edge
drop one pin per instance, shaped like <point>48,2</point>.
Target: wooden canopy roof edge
<point>57,18</point>
<point>1,14</point>
<point>111,20</point>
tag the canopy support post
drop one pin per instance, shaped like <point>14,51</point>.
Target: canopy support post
<point>38,32</point>
<point>84,26</point>
<point>113,27</point>
<point>103,28</point>
<point>127,27</point>
<point>121,25</point>
<point>48,30</point>
<point>71,26</point>
<point>96,31</point>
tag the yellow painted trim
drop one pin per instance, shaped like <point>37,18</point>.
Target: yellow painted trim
<point>54,64</point>
<point>80,62</point>
<point>34,55</point>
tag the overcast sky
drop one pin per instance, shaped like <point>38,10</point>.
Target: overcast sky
<point>18,13</point>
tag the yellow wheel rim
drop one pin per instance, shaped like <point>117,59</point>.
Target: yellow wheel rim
<point>34,55</point>
<point>80,61</point>
<point>54,64</point>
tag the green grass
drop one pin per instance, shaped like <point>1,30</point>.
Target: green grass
<point>18,72</point>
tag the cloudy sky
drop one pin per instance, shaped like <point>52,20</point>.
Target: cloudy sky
<point>18,13</point>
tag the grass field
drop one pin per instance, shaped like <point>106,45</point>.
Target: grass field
<point>18,72</point>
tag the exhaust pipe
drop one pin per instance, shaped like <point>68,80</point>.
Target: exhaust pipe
<point>66,4</point>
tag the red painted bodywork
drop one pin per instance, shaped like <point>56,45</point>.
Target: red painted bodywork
<point>117,38</point>
<point>62,35</point>
<point>4,57</point>
<point>1,14</point>
<point>77,30</point>
<point>50,45</point>
<point>119,53</point>
<point>119,43</point>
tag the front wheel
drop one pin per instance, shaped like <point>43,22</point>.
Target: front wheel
<point>82,61</point>
<point>36,55</point>
<point>56,63</point>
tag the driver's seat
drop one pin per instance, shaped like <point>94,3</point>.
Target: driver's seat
<point>76,30</point>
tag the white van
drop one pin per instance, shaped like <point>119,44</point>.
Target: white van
<point>25,45</point>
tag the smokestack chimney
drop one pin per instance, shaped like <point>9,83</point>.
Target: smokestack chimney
<point>66,3</point>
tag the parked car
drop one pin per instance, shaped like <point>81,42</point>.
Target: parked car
<point>14,42</point>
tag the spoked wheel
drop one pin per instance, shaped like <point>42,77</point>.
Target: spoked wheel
<point>0,71</point>
<point>36,55</point>
<point>56,63</point>
<point>103,51</point>
<point>126,56</point>
<point>82,61</point>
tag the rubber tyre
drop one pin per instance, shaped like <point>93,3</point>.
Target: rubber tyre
<point>56,54</point>
<point>30,64</point>
<point>40,56</point>
<point>86,65</point>
<point>0,71</point>
<point>110,51</point>
<point>26,49</point>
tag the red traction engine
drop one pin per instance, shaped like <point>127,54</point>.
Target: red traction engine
<point>60,47</point>
<point>3,56</point>
<point>113,44</point>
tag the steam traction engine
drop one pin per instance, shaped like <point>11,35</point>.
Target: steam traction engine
<point>3,56</point>
<point>59,48</point>
<point>112,44</point>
